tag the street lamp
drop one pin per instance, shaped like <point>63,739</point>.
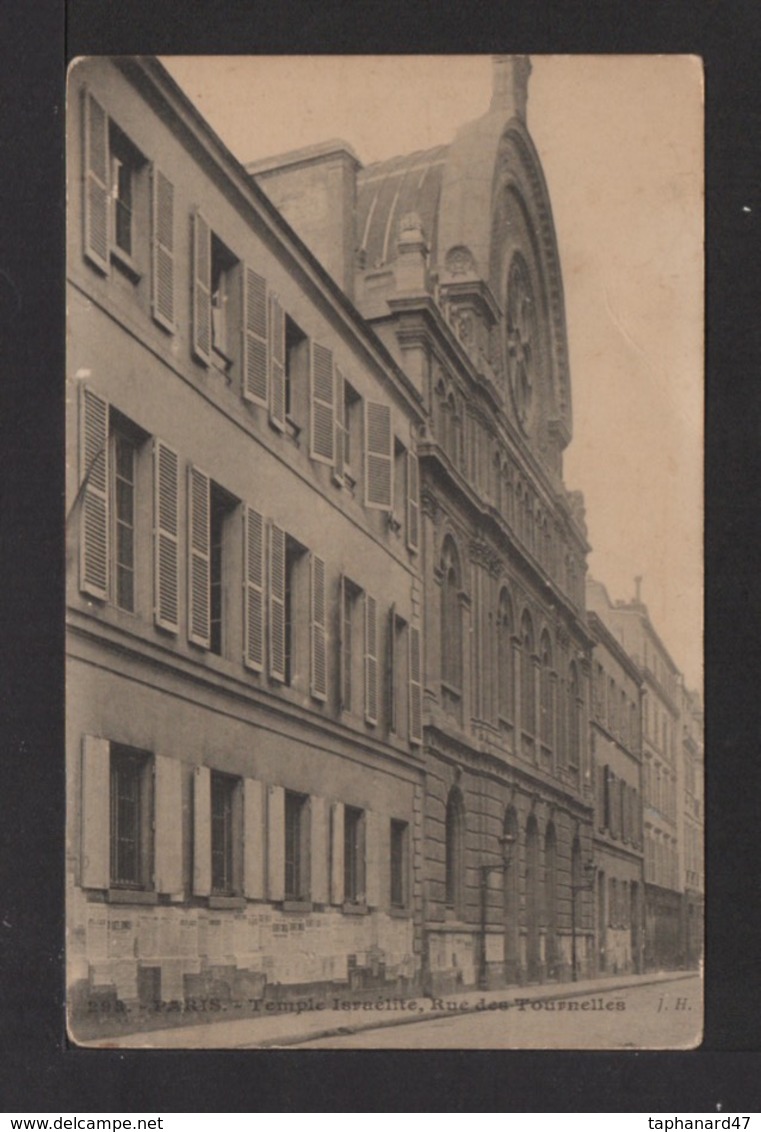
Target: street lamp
<point>579,886</point>
<point>507,841</point>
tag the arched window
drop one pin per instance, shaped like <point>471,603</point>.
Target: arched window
<point>454,835</point>
<point>512,900</point>
<point>451,620</point>
<point>574,716</point>
<point>528,701</point>
<point>505,657</point>
<point>545,693</point>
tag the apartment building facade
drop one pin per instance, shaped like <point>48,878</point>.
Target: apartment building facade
<point>244,607</point>
<point>662,788</point>
<point>619,832</point>
<point>451,257</point>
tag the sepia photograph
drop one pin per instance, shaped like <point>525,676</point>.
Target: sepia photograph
<point>384,526</point>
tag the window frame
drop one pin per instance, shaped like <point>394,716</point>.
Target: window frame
<point>399,864</point>
<point>296,881</point>
<point>127,763</point>
<point>355,862</point>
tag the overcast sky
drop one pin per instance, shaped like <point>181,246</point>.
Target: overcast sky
<point>620,139</point>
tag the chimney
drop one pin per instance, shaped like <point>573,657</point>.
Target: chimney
<point>510,85</point>
<point>638,589</point>
<point>412,256</point>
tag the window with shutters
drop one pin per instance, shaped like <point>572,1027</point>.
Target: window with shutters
<point>210,508</point>
<point>322,405</point>
<point>350,430</point>
<point>397,674</point>
<point>350,644</point>
<point>226,834</point>
<point>123,463</point>
<point>131,813</point>
<point>415,684</point>
<point>400,494</point>
<point>127,205</point>
<point>371,659</point>
<point>296,846</point>
<point>399,863</point>
<point>296,376</point>
<point>225,307</point>
<point>354,855</point>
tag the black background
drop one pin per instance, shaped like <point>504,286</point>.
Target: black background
<point>38,1071</point>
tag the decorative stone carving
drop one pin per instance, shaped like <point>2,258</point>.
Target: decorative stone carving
<point>429,504</point>
<point>459,261</point>
<point>483,555</point>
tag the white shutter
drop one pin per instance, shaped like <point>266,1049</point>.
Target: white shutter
<point>413,502</point>
<point>277,364</point>
<point>341,425</point>
<point>201,288</point>
<point>253,589</point>
<point>95,527</point>
<point>337,853</point>
<point>162,241</point>
<point>379,457</point>
<point>391,703</point>
<point>168,825</point>
<point>277,603</point>
<point>202,831</point>
<point>374,856</point>
<point>371,660</point>
<point>95,829</point>
<point>253,839</point>
<point>165,536</point>
<point>96,189</point>
<point>318,850</point>
<point>322,398</point>
<point>319,668</point>
<point>416,685</point>
<point>199,565</point>
<point>276,843</point>
<point>255,353</point>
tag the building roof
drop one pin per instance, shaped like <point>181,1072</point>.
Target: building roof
<point>388,190</point>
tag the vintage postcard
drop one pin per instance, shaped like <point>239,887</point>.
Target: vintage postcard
<point>384,526</point>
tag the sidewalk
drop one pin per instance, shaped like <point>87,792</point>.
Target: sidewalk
<point>285,1026</point>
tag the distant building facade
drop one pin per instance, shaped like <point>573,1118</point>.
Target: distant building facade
<point>451,257</point>
<point>693,818</point>
<point>619,832</point>
<point>245,613</point>
<point>630,623</point>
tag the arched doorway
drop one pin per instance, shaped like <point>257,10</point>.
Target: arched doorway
<point>550,900</point>
<point>533,962</point>
<point>511,903</point>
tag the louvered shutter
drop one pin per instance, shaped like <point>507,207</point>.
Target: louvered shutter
<point>413,502</point>
<point>165,536</point>
<point>379,457</point>
<point>199,566</point>
<point>276,843</point>
<point>95,829</point>
<point>168,832</point>
<point>277,603</point>
<point>201,288</point>
<point>162,233</point>
<point>202,831</point>
<point>253,589</point>
<point>253,839</point>
<point>374,856</point>
<point>255,354</point>
<point>340,426</point>
<point>371,660</point>
<point>322,398</point>
<point>391,705</point>
<point>95,527</point>
<point>96,173</point>
<point>337,853</point>
<point>277,364</point>
<point>318,850</point>
<point>416,685</point>
<point>319,668</point>
<point>343,701</point>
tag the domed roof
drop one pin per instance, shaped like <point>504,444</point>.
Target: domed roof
<point>389,189</point>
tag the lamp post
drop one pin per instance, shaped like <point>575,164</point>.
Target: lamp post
<point>579,886</point>
<point>506,844</point>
